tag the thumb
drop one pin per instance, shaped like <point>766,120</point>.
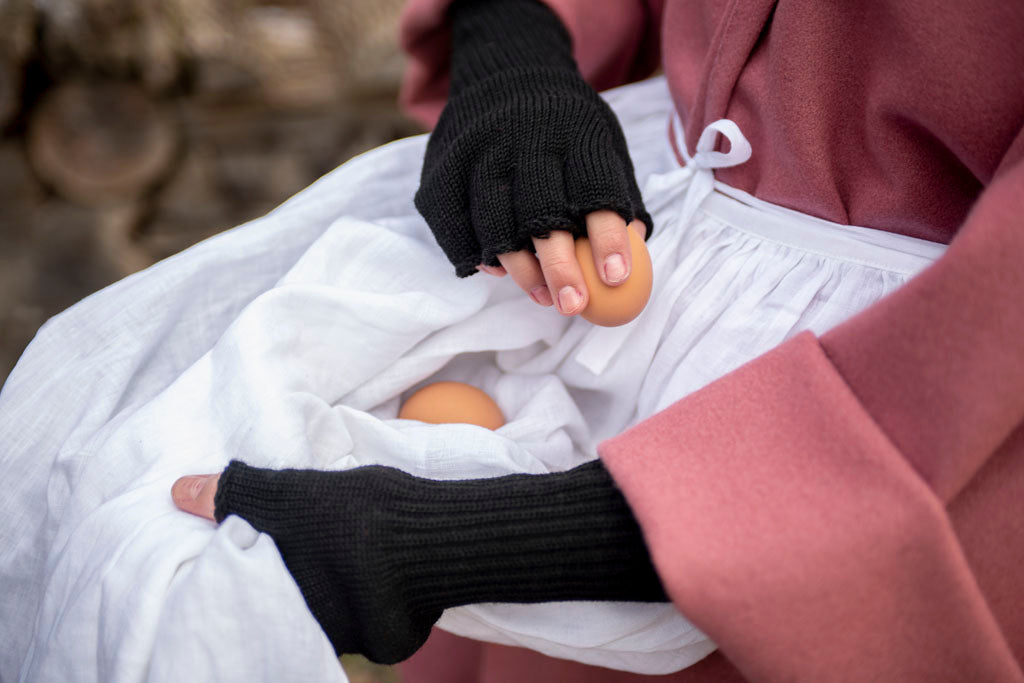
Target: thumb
<point>194,494</point>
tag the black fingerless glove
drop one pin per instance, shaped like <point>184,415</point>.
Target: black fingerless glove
<point>524,146</point>
<point>379,554</point>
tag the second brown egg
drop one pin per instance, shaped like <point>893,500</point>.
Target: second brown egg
<point>452,402</point>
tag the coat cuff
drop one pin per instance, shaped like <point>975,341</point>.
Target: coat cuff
<point>787,526</point>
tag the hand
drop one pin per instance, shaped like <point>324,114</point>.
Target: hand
<point>335,533</point>
<point>554,268</point>
<point>526,156</point>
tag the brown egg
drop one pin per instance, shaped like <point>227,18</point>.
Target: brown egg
<point>613,306</point>
<point>447,402</point>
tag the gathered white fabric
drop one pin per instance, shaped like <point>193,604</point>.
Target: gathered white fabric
<point>290,342</point>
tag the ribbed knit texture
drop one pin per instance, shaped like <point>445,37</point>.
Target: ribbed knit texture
<point>379,554</point>
<point>524,146</point>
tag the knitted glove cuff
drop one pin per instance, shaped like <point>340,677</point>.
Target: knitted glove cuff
<point>490,36</point>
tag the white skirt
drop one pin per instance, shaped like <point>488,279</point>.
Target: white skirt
<point>290,342</point>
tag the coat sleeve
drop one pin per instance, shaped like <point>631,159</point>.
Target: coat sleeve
<point>613,46</point>
<point>796,508</point>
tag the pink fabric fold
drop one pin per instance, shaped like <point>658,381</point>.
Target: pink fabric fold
<point>787,526</point>
<point>940,363</point>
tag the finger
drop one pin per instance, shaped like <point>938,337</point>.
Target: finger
<point>609,243</point>
<point>194,494</point>
<point>557,256</point>
<point>526,272</point>
<point>496,271</point>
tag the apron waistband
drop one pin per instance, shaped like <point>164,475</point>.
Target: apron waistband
<point>743,211</point>
<point>869,247</point>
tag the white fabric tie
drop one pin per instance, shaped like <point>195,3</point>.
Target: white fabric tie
<point>706,160</point>
<point>601,345</point>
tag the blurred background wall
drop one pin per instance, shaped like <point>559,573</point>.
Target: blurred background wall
<point>131,129</point>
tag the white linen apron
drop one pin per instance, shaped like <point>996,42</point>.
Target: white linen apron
<point>290,342</point>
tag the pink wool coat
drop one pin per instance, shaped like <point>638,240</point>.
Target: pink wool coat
<point>849,507</point>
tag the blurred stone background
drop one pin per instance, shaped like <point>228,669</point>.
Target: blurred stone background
<point>131,129</point>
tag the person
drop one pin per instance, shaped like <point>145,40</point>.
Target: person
<point>839,505</point>
<point>848,496</point>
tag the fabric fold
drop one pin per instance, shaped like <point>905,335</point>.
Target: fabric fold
<point>947,383</point>
<point>777,512</point>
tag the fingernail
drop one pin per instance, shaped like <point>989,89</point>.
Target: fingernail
<point>569,299</point>
<point>541,295</point>
<point>490,270</point>
<point>615,269</point>
<point>193,485</point>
